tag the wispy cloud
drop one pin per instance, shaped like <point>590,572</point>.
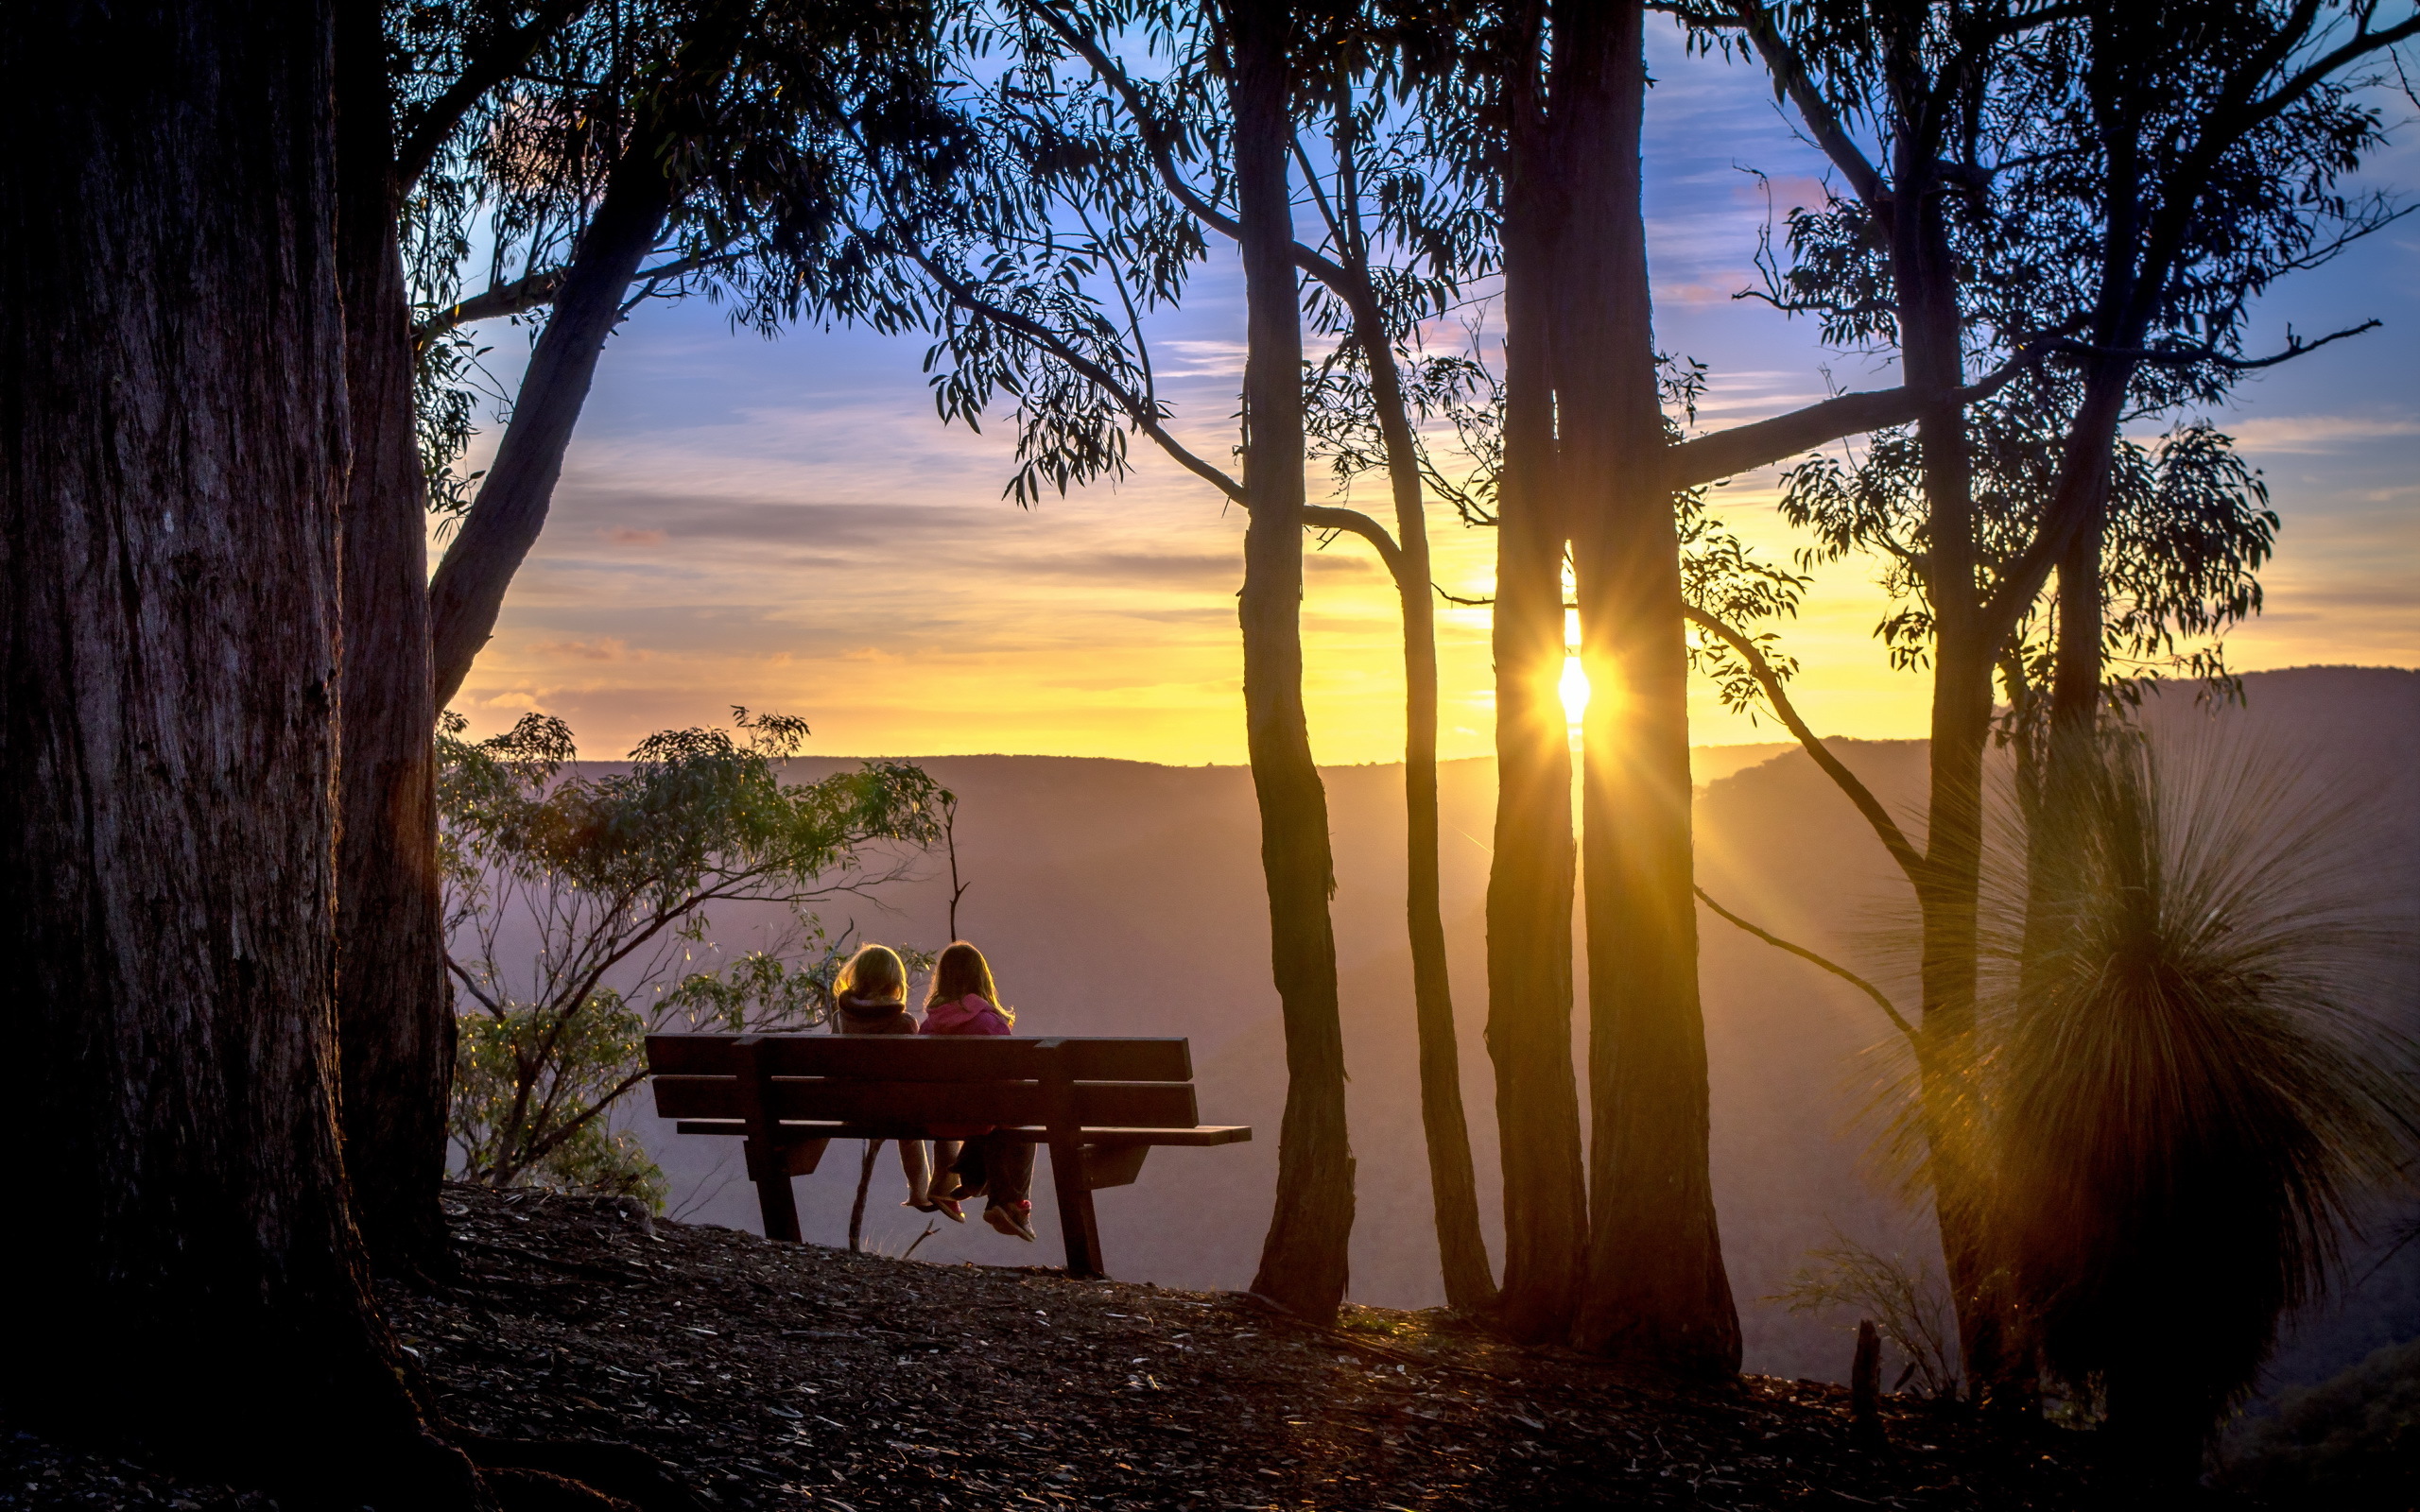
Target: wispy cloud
<point>2316,434</point>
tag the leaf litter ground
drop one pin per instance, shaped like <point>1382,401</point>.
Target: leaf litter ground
<point>795,1376</point>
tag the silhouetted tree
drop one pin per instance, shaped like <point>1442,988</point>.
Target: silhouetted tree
<point>393,1022</point>
<point>2109,190</point>
<point>718,125</point>
<point>1398,238</point>
<point>1589,459</point>
<point>173,389</point>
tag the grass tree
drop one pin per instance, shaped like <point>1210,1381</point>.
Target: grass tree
<point>2191,1087</point>
<point>580,918</point>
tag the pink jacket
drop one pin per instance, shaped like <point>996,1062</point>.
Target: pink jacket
<point>971,1014</point>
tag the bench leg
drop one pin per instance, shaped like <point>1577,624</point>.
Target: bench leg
<point>770,1171</point>
<point>1076,1220</point>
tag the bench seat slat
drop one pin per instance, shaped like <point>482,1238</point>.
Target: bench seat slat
<point>1203,1134</point>
<point>1138,1105</point>
<point>905,1057</point>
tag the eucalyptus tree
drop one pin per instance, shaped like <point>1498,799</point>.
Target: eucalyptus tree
<point>1400,235</point>
<point>2106,192</point>
<point>1591,464</point>
<point>710,135</point>
<point>173,390</point>
<point>1036,286</point>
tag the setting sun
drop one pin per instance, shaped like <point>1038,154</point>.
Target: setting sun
<point>1574,690</point>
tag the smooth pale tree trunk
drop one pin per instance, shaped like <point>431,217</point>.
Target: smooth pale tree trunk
<point>1530,883</point>
<point>394,1014</point>
<point>1656,1293</point>
<point>172,372</point>
<point>504,521</point>
<point>1303,1262</point>
<point>1453,1184</point>
<point>1965,650</point>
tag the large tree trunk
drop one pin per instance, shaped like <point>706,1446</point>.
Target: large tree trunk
<point>394,1015</point>
<point>1658,1293</point>
<point>1529,883</point>
<point>1303,1263</point>
<point>172,393</point>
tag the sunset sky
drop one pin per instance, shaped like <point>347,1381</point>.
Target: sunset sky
<point>787,525</point>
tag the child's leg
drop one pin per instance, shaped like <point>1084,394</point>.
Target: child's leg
<point>971,1174</point>
<point>1007,1206</point>
<point>945,1181</point>
<point>911,1161</point>
<point>1010,1165</point>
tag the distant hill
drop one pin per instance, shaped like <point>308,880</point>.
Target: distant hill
<point>1124,898</point>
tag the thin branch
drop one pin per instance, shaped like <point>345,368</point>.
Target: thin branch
<point>1142,413</point>
<point>2190,356</point>
<point>1803,953</point>
<point>1154,139</point>
<point>538,289</point>
<point>517,298</point>
<point>1911,862</point>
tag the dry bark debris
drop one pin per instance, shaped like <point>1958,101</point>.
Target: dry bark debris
<point>793,1376</point>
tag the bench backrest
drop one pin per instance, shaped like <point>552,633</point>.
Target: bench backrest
<point>911,1080</point>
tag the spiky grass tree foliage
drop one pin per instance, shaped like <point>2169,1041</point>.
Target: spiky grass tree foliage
<point>2191,1090</point>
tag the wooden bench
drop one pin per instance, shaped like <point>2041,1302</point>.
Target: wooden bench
<point>1100,1105</point>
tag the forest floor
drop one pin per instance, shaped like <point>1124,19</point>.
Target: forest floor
<point>794,1375</point>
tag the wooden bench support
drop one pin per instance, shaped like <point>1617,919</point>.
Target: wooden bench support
<point>1076,1224</point>
<point>1112,1165</point>
<point>771,1163</point>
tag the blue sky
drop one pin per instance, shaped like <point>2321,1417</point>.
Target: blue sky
<point>786,524</point>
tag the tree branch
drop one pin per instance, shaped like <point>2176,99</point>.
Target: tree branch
<point>1154,139</point>
<point>1144,415</point>
<point>1328,517</point>
<point>491,67</point>
<point>1789,77</point>
<point>1886,828</point>
<point>1803,953</point>
<point>516,298</point>
<point>526,294</point>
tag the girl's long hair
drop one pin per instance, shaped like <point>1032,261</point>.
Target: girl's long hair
<point>874,973</point>
<point>961,971</point>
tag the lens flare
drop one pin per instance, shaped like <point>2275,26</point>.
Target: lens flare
<point>1574,689</point>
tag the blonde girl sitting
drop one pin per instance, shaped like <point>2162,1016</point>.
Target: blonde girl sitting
<point>871,997</point>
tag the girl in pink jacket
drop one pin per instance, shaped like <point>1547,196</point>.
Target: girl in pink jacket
<point>964,1000</point>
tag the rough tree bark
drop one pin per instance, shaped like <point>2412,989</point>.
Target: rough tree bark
<point>394,1014</point>
<point>172,465</point>
<point>1303,1262</point>
<point>1656,1293</point>
<point>1529,883</point>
